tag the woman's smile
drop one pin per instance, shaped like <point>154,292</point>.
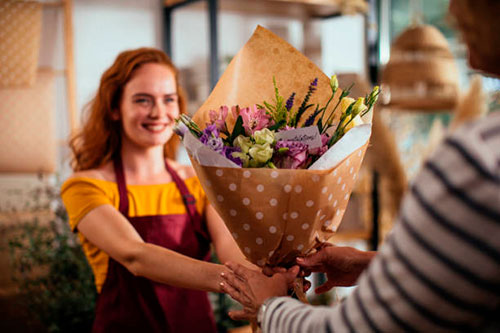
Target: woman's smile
<point>155,127</point>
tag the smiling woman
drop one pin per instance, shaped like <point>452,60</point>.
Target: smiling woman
<point>143,220</point>
<point>149,106</point>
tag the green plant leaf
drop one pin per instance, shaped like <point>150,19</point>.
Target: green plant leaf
<point>237,130</point>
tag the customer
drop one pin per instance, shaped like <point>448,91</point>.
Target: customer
<point>143,220</point>
<point>440,268</point>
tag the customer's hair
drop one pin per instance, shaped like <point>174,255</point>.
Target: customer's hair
<point>99,138</point>
<point>479,25</point>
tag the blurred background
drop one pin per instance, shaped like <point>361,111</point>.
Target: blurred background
<point>52,54</point>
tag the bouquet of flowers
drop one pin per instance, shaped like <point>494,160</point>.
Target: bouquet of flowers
<point>272,135</point>
<point>279,172</point>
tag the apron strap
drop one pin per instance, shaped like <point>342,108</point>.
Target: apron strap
<point>190,203</point>
<point>122,184</point>
<point>188,199</point>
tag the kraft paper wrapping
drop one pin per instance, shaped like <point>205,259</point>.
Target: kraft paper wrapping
<point>277,214</point>
<point>248,79</point>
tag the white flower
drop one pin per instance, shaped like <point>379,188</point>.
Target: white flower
<point>264,136</point>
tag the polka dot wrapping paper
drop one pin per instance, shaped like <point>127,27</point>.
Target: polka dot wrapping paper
<point>276,214</point>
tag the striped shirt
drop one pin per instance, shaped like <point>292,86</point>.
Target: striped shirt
<point>439,270</point>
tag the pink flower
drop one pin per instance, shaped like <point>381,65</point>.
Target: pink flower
<point>294,155</point>
<point>324,146</point>
<point>254,119</point>
<point>218,118</point>
<point>235,110</point>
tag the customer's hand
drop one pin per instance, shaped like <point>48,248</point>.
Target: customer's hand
<point>342,265</point>
<point>252,288</point>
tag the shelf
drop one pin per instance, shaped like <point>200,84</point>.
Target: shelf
<point>286,8</point>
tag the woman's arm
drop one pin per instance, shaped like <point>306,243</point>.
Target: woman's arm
<point>225,245</point>
<point>107,229</point>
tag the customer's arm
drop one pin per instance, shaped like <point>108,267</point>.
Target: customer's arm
<point>440,268</point>
<point>342,265</point>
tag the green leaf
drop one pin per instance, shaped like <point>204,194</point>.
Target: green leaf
<point>320,124</point>
<point>283,150</point>
<point>237,130</point>
<point>300,113</point>
<point>278,125</point>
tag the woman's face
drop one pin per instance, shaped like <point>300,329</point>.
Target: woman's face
<point>149,106</point>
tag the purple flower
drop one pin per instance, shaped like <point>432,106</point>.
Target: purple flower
<point>312,86</point>
<point>314,83</point>
<point>208,132</point>
<point>210,137</point>
<point>216,144</point>
<point>228,152</point>
<point>293,154</point>
<point>289,102</point>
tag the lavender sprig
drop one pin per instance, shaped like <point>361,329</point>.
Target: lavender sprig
<point>289,102</point>
<point>304,106</point>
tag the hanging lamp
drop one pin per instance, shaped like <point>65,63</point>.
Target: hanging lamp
<point>421,73</point>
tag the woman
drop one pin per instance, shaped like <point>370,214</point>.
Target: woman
<point>143,220</point>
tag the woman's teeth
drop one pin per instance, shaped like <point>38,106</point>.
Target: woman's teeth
<point>154,128</point>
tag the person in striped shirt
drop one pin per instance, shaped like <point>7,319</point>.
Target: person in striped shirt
<point>439,269</point>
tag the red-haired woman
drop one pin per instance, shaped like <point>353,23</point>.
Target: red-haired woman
<point>143,220</point>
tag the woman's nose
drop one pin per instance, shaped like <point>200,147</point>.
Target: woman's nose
<point>157,111</point>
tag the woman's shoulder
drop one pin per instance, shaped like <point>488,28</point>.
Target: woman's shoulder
<point>104,172</point>
<point>101,177</point>
<point>184,171</point>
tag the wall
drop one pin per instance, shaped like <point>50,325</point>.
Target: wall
<point>103,28</point>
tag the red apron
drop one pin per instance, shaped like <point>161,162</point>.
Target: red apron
<point>128,303</point>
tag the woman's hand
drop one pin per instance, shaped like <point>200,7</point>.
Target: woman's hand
<point>251,288</point>
<point>342,265</point>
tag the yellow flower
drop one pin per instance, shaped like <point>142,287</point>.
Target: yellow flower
<point>345,102</point>
<point>334,83</point>
<point>359,106</point>
<point>355,122</point>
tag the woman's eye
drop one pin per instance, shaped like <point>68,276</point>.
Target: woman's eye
<point>170,100</point>
<point>143,101</point>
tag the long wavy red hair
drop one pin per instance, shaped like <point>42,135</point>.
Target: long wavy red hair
<point>99,138</point>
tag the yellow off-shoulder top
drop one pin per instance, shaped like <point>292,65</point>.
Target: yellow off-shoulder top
<point>80,195</point>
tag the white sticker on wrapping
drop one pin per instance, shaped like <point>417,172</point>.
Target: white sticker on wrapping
<point>308,135</point>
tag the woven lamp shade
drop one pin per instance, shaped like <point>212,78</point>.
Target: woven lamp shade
<point>421,73</point>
